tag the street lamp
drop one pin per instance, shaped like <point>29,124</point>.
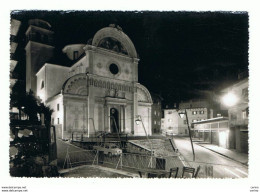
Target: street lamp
<point>182,114</point>
<point>138,121</point>
<point>230,99</point>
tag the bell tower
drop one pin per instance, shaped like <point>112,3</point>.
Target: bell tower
<point>39,50</point>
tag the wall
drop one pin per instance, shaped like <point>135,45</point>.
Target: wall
<point>173,123</point>
<point>41,80</point>
<point>170,118</point>
<point>216,132</point>
<point>243,142</point>
<point>69,50</point>
<point>200,114</point>
<point>145,113</point>
<point>238,116</point>
<point>156,117</point>
<point>57,74</point>
<point>102,60</point>
<point>36,55</point>
<point>129,123</point>
<point>57,113</point>
<point>49,74</point>
<point>75,117</point>
<point>81,66</point>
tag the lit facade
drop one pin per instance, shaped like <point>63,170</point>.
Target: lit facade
<point>170,123</point>
<point>214,131</point>
<point>99,91</point>
<point>197,110</point>
<point>238,115</point>
<point>230,132</point>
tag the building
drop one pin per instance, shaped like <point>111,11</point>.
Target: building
<point>15,113</point>
<point>15,26</point>
<point>229,132</point>
<point>238,112</point>
<point>171,121</point>
<point>98,92</point>
<point>214,131</point>
<point>197,110</point>
<point>156,113</point>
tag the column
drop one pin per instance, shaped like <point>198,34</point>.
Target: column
<point>106,118</point>
<point>135,69</point>
<point>122,118</point>
<point>64,120</point>
<point>134,108</point>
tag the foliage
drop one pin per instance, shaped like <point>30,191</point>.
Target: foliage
<point>30,160</point>
<point>28,103</point>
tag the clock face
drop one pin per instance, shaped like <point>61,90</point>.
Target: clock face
<point>113,69</point>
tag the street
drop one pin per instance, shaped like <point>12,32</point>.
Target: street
<point>222,167</point>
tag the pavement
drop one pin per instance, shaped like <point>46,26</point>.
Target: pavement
<point>231,154</point>
<point>215,162</point>
<point>95,171</point>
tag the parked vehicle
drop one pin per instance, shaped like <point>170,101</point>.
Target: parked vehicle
<point>108,149</point>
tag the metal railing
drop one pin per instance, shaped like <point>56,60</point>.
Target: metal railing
<point>138,162</point>
<point>80,157</point>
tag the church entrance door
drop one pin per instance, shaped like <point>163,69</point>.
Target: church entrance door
<point>114,121</point>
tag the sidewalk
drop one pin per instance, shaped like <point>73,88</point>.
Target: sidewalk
<point>96,171</point>
<point>231,154</point>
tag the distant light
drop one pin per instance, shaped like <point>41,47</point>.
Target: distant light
<point>138,120</point>
<point>181,114</point>
<point>230,99</point>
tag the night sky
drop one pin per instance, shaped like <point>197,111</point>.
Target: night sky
<point>183,55</point>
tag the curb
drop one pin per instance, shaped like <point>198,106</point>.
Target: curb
<point>245,164</point>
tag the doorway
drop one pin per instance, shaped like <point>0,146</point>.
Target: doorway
<point>223,135</point>
<point>114,121</point>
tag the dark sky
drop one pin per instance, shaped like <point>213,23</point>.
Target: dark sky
<point>183,55</point>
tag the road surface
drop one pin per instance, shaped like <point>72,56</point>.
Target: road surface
<point>222,167</point>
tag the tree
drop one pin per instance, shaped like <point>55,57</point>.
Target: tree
<point>28,103</point>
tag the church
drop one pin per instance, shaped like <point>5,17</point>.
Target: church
<point>98,92</point>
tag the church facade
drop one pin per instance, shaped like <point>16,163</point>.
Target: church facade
<point>98,92</point>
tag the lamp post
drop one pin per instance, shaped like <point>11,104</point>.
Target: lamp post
<point>182,114</point>
<point>137,121</point>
